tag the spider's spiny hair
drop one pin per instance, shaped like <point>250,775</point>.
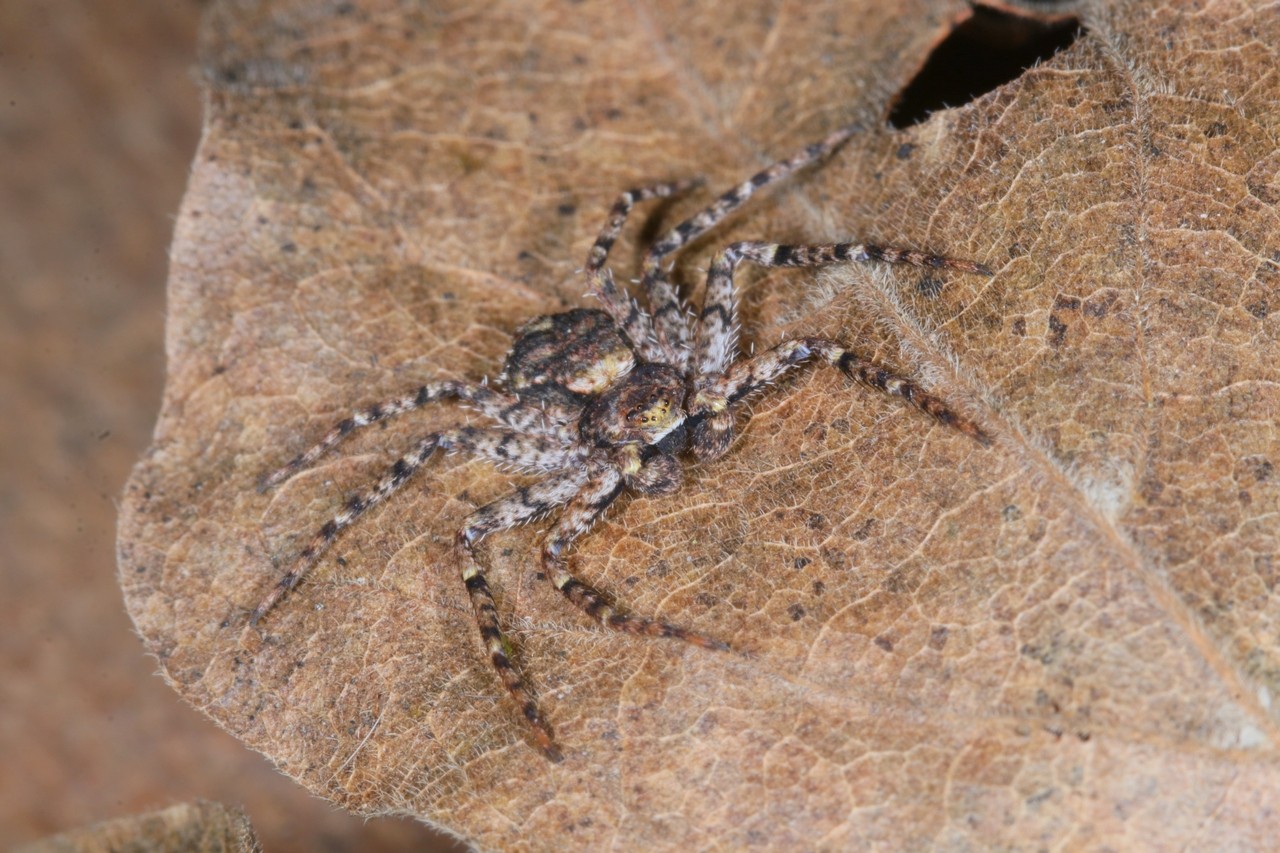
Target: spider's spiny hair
<point>635,323</point>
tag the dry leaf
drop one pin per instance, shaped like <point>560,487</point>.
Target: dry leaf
<point>199,827</point>
<point>1069,639</point>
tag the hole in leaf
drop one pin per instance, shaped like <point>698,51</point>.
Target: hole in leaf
<point>986,49</point>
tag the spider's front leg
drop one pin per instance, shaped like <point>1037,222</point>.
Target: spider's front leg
<point>720,382</point>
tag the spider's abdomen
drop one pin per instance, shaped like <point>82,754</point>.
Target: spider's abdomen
<point>581,351</point>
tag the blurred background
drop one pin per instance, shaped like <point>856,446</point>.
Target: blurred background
<point>99,119</point>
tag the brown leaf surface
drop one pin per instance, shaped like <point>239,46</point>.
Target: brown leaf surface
<point>1067,639</point>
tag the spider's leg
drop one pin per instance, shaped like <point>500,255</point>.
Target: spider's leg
<point>503,407</point>
<point>524,505</point>
<point>670,324</point>
<point>618,216</point>
<point>720,382</point>
<point>626,313</point>
<point>499,445</point>
<point>701,222</point>
<point>600,491</point>
<point>746,377</point>
<point>670,318</point>
<point>716,342</point>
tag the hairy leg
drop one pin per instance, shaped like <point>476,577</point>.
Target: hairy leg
<point>521,506</point>
<point>715,401</point>
<point>505,408</point>
<point>630,317</point>
<point>715,347</point>
<point>588,505</point>
<point>531,452</point>
<point>671,327</point>
<point>706,219</point>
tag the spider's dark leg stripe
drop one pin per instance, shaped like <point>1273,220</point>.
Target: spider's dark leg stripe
<point>635,324</point>
<point>524,505</point>
<point>503,407</point>
<point>731,200</point>
<point>596,496</point>
<point>747,377</point>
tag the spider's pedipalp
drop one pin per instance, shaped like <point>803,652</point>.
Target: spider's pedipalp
<point>521,506</point>
<point>506,408</point>
<point>600,491</point>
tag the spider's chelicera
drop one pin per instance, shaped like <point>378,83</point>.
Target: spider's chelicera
<point>603,402</point>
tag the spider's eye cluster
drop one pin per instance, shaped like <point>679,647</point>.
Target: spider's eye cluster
<point>651,412</point>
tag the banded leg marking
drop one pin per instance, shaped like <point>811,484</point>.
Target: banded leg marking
<point>716,343</point>
<point>703,221</point>
<point>747,377</point>
<point>498,445</point>
<point>515,509</point>
<point>505,408</point>
<point>629,317</point>
<point>589,504</point>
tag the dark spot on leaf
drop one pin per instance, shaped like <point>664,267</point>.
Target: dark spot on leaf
<point>1057,331</point>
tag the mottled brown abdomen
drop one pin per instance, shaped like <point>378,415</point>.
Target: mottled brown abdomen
<point>580,350</point>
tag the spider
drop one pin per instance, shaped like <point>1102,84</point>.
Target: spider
<point>605,402</point>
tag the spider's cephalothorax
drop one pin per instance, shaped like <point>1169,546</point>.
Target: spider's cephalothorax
<point>601,402</point>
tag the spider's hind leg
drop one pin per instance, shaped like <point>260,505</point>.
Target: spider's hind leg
<point>505,408</point>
